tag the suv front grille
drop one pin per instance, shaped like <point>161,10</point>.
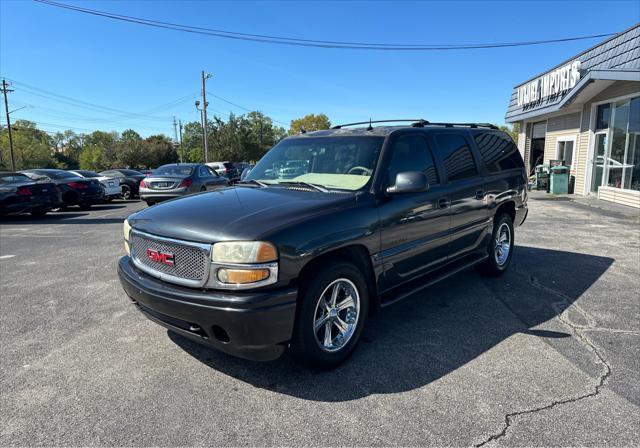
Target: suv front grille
<point>190,262</point>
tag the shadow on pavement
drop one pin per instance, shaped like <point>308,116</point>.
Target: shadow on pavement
<point>425,337</point>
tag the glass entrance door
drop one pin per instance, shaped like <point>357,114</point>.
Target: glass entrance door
<point>599,161</point>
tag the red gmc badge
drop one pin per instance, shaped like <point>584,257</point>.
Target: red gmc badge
<point>160,257</point>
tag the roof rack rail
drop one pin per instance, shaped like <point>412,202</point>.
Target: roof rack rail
<point>416,122</point>
<point>469,125</point>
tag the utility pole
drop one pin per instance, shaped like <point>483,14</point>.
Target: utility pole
<point>175,131</point>
<point>6,90</point>
<point>181,147</point>
<point>205,76</point>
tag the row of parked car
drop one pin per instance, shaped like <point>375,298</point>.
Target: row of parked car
<point>38,191</point>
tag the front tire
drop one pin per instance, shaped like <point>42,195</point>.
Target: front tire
<point>332,313</point>
<point>126,192</point>
<point>500,247</point>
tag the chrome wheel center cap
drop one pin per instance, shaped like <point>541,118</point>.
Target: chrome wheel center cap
<point>333,313</point>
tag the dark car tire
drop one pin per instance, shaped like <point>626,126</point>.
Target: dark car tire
<point>39,213</point>
<point>498,262</point>
<point>85,206</point>
<point>126,192</point>
<point>305,344</point>
<point>150,203</point>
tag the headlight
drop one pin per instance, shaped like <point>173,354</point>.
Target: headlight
<point>244,252</point>
<point>126,229</point>
<point>244,264</point>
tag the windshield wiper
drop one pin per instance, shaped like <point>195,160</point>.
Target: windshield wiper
<point>253,182</point>
<point>305,184</point>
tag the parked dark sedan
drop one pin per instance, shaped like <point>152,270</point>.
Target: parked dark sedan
<point>129,180</point>
<point>74,190</point>
<point>179,179</point>
<point>21,194</point>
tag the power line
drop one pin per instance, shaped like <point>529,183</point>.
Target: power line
<point>280,40</point>
<point>117,113</point>
<point>242,107</point>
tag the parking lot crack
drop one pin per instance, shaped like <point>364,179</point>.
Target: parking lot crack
<point>561,307</point>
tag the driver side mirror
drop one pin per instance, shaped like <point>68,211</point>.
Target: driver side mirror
<point>409,182</point>
<point>245,173</point>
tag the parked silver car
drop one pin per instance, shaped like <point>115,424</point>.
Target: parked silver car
<point>179,179</point>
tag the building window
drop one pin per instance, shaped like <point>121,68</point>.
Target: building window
<point>617,150</point>
<point>602,116</point>
<point>564,150</point>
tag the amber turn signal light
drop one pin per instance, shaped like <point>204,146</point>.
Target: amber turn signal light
<point>239,276</point>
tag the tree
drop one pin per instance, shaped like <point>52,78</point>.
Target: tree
<point>106,141</point>
<point>31,146</point>
<point>91,158</point>
<point>310,122</point>
<point>158,150</point>
<point>129,149</point>
<point>513,131</point>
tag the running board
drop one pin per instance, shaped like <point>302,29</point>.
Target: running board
<point>431,278</point>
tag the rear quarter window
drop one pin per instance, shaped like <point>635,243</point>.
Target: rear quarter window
<point>498,151</point>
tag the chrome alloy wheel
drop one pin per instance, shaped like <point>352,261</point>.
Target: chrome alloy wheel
<point>336,315</point>
<point>502,244</point>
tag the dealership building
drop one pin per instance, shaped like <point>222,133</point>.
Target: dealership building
<point>586,111</point>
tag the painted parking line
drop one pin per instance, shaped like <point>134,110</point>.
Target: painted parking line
<point>4,257</point>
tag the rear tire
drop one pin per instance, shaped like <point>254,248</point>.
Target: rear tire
<point>333,308</point>
<point>500,247</point>
<point>150,203</point>
<point>85,206</point>
<point>126,192</point>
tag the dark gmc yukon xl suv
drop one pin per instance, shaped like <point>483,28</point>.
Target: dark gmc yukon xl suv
<point>376,214</point>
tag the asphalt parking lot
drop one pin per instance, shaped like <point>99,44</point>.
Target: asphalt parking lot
<point>549,354</point>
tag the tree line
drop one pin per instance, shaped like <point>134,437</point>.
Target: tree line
<point>238,138</point>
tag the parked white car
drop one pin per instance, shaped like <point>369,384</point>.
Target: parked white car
<point>111,186</point>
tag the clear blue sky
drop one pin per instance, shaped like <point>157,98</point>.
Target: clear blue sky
<point>137,69</point>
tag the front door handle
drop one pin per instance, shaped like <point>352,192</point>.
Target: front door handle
<point>444,203</point>
<point>480,194</point>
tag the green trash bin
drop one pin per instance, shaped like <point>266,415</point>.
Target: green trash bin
<point>559,180</point>
<point>542,177</point>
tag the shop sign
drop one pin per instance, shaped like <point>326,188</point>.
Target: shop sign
<point>550,84</point>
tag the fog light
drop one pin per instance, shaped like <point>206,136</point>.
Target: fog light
<point>236,276</point>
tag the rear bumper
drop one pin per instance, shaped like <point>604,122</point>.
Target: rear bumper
<point>29,205</point>
<point>254,326</point>
<point>147,194</point>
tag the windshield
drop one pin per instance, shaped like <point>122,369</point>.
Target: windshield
<point>173,170</point>
<point>345,163</point>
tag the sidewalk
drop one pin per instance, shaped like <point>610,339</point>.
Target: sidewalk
<point>588,201</point>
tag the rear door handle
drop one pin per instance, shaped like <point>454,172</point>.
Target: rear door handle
<point>444,203</point>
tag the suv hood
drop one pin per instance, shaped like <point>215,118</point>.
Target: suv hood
<point>237,213</point>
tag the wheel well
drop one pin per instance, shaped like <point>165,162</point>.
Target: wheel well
<point>508,208</point>
<point>355,254</point>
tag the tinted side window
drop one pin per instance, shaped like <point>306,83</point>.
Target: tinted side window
<point>411,153</point>
<point>498,151</point>
<point>456,156</point>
